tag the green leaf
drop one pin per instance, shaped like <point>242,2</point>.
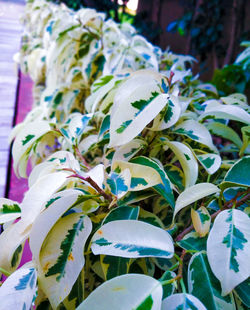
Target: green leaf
<point>132,239</point>
<point>114,266</point>
<point>131,291</point>
<point>182,301</point>
<point>122,213</point>
<point>168,288</point>
<point>228,242</point>
<point>205,286</point>
<point>150,218</point>
<point>192,241</point>
<point>105,125</point>
<point>19,290</point>
<point>246,139</point>
<point>225,132</point>
<point>119,183</point>
<point>238,175</point>
<point>243,292</point>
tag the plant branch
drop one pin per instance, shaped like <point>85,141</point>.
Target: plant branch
<point>79,155</point>
<point>180,269</point>
<point>93,184</point>
<point>228,205</point>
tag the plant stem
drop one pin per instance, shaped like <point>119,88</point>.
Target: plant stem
<point>5,272</point>
<point>94,184</point>
<point>183,286</point>
<point>228,205</point>
<point>79,154</point>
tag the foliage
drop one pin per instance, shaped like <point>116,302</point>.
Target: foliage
<point>133,201</point>
<point>203,20</point>
<point>206,24</point>
<point>235,77</point>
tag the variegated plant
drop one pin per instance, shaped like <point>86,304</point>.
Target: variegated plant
<point>138,194</point>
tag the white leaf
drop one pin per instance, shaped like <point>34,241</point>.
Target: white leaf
<point>23,142</point>
<point>19,290</point>
<point>193,194</point>
<point>182,301</point>
<point>62,256</point>
<point>137,101</point>
<point>228,248</point>
<point>125,292</point>
<point>131,238</point>
<point>225,111</point>
<point>197,132</point>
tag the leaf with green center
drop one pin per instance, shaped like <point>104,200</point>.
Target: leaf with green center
<point>238,175</point>
<point>132,239</point>
<point>211,162</point>
<point>182,301</point>
<point>194,193</point>
<point>186,159</point>
<point>131,291</point>
<point>201,220</point>
<point>228,242</point>
<point>205,286</point>
<point>66,240</point>
<point>165,187</point>
<point>9,210</point>
<point>27,139</point>
<point>150,218</point>
<point>127,151</point>
<point>75,127</point>
<point>17,233</point>
<point>23,143</point>
<point>119,183</point>
<point>168,116</point>
<point>197,132</point>
<point>19,290</point>
<point>142,176</point>
<point>137,102</point>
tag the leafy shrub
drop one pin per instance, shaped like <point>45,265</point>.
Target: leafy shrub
<point>134,202</point>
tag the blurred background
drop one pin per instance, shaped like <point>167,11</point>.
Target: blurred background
<point>209,30</point>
